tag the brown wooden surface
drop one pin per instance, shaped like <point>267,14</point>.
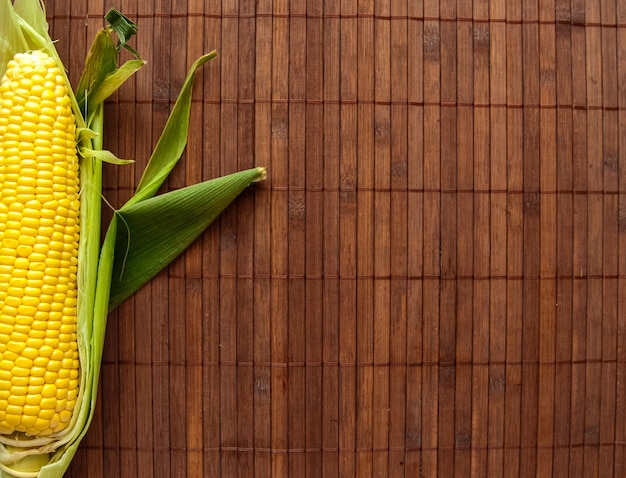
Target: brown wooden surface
<point>431,282</point>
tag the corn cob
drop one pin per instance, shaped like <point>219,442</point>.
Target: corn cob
<point>39,234</point>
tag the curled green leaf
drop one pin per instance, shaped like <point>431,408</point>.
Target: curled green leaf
<point>123,26</point>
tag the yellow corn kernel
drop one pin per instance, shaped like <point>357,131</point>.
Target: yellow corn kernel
<point>39,233</point>
<point>29,416</point>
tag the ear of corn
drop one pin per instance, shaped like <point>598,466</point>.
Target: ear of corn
<point>55,291</point>
<point>39,234</point>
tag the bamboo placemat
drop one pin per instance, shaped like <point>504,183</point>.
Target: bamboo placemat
<point>431,282</point>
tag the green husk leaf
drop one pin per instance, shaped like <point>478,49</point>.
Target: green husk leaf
<point>34,15</point>
<point>12,39</point>
<point>103,155</point>
<point>173,140</point>
<point>153,232</point>
<point>113,81</point>
<point>85,133</point>
<point>34,25</point>
<point>100,62</point>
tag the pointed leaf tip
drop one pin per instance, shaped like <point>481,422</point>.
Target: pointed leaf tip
<point>262,171</point>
